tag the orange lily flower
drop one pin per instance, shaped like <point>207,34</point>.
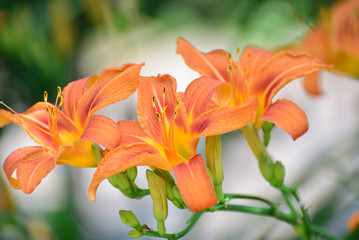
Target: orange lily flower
<point>334,40</point>
<point>260,74</point>
<point>65,136</point>
<point>167,133</point>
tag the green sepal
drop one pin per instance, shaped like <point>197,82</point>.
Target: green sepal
<point>178,196</point>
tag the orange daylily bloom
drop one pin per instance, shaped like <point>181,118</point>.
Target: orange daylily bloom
<point>260,74</point>
<point>167,133</point>
<point>334,40</point>
<point>65,136</point>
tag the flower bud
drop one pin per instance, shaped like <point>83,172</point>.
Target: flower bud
<point>170,182</point>
<point>130,219</point>
<point>158,193</point>
<point>135,234</point>
<point>132,173</point>
<point>279,173</point>
<point>178,196</point>
<point>214,163</point>
<point>267,128</point>
<point>121,182</point>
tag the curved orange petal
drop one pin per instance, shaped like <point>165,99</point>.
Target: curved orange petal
<point>198,94</point>
<point>33,167</point>
<point>124,157</point>
<point>102,130</point>
<point>113,85</point>
<point>131,132</point>
<point>35,122</point>
<point>312,84</point>
<point>195,184</point>
<point>157,105</point>
<point>213,64</point>
<point>72,94</point>
<point>252,59</point>
<point>13,160</point>
<point>288,116</point>
<point>224,119</point>
<point>77,154</point>
<point>4,118</point>
<point>282,68</point>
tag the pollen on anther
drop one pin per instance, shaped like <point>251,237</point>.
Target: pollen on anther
<point>45,96</point>
<point>158,115</point>
<point>164,91</point>
<point>153,102</point>
<point>247,70</point>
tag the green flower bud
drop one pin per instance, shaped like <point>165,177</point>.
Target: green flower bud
<point>96,152</point>
<point>135,234</point>
<point>214,159</point>
<point>132,173</point>
<point>130,219</point>
<point>178,196</point>
<point>158,193</point>
<point>121,182</point>
<point>279,173</point>
<point>267,128</point>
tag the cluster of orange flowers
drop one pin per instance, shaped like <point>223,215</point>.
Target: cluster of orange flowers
<point>230,94</point>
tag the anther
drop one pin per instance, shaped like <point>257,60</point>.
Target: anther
<point>164,91</point>
<point>237,55</point>
<point>158,115</point>
<point>153,102</point>
<point>247,70</point>
<point>45,96</point>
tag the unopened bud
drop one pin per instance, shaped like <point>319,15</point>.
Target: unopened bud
<point>265,168</point>
<point>135,234</point>
<point>132,173</point>
<point>157,188</point>
<point>130,219</point>
<point>178,196</point>
<point>214,163</point>
<point>121,182</point>
<point>267,128</point>
<point>170,182</point>
<point>279,173</point>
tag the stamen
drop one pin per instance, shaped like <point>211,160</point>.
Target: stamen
<point>249,55</point>
<point>164,91</point>
<point>61,101</point>
<point>59,95</point>
<point>45,96</point>
<point>237,55</point>
<point>153,102</point>
<point>13,111</point>
<point>246,70</point>
<point>158,116</point>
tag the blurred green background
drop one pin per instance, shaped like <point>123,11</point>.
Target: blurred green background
<point>45,44</point>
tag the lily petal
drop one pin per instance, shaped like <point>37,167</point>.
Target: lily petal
<point>224,119</point>
<point>35,122</point>
<point>288,116</point>
<point>78,154</point>
<point>113,85</point>
<point>213,64</point>
<point>34,167</point>
<point>312,84</point>
<point>13,160</point>
<point>102,130</point>
<point>124,157</point>
<point>195,184</point>
<point>72,94</point>
<point>198,94</point>
<point>131,132</point>
<point>282,68</point>
<point>157,101</point>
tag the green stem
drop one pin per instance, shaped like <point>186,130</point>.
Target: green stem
<point>241,196</point>
<point>270,212</point>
